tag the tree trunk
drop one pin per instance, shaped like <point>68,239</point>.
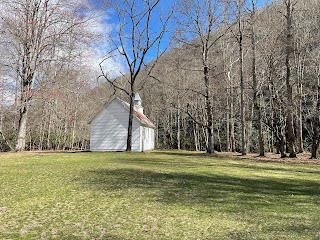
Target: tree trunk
<point>74,125</point>
<point>41,130</point>
<point>289,51</point>
<point>210,148</point>
<point>232,129</point>
<point>282,144</point>
<point>299,130</point>
<point>22,129</point>
<point>249,137</point>
<point>228,127</point>
<point>256,95</point>
<point>299,111</point>
<point>315,139</point>
<point>316,127</point>
<point>130,121</point>
<point>272,124</point>
<point>300,59</point>
<point>178,118</point>
<point>48,147</point>
<point>171,127</point>
<point>205,138</point>
<point>219,138</point>
<point>242,105</point>
<point>178,130</point>
<point>195,133</point>
<point>157,133</point>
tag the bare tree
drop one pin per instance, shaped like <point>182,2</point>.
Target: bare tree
<point>200,21</point>
<point>138,40</point>
<point>256,92</point>
<point>35,29</point>
<point>239,36</point>
<point>289,7</point>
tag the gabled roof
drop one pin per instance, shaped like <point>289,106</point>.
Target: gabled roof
<point>138,115</point>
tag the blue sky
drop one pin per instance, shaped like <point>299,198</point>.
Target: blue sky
<point>109,24</point>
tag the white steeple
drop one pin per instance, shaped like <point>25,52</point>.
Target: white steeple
<point>137,103</point>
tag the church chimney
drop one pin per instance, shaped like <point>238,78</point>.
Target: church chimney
<point>137,103</point>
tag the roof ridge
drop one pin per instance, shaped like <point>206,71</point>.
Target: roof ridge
<point>142,117</point>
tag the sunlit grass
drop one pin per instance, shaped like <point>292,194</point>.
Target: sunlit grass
<point>156,195</point>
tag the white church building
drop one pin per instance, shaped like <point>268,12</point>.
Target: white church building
<point>109,127</point>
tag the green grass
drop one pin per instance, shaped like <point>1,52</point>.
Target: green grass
<point>157,195</point>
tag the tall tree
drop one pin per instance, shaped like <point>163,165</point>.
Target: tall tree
<point>256,92</point>
<point>34,30</point>
<point>141,29</point>
<point>289,7</point>
<point>239,36</point>
<point>199,21</point>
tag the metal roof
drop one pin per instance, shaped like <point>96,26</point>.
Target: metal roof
<point>141,117</point>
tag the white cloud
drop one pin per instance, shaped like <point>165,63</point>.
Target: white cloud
<point>7,90</point>
<point>99,53</point>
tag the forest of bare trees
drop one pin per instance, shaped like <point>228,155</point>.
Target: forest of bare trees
<point>239,75</point>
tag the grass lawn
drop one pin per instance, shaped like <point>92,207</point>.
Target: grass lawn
<point>156,195</point>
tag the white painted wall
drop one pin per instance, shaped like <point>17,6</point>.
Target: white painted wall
<point>147,138</point>
<point>108,130</point>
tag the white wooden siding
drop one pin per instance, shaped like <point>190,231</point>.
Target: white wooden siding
<point>147,138</point>
<point>108,130</point>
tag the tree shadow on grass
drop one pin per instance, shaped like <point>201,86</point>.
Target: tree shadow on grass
<point>277,204</point>
<point>251,201</point>
<point>274,167</point>
<point>184,153</point>
<point>236,157</point>
<point>211,163</point>
<point>175,187</point>
<point>216,155</point>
